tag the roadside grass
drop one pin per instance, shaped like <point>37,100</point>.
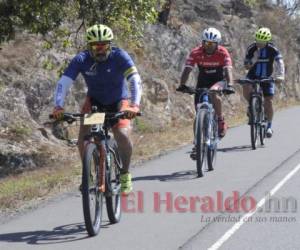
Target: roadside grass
<point>16,192</point>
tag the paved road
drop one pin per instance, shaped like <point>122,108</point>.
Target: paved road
<point>172,209</point>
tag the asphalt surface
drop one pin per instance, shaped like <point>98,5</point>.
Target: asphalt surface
<point>172,209</point>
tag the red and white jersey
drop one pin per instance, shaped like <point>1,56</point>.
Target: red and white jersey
<point>211,67</point>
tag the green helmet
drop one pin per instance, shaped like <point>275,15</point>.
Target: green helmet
<point>263,35</point>
<point>99,33</point>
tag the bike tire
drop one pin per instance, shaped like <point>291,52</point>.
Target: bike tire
<point>90,191</point>
<point>262,129</point>
<point>200,143</point>
<point>212,149</point>
<point>254,104</point>
<point>113,183</point>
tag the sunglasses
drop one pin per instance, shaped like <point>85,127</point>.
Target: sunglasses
<point>100,46</point>
<point>209,43</point>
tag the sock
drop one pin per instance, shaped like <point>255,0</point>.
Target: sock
<point>269,125</point>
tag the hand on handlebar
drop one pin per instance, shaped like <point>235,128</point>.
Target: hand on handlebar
<point>279,80</point>
<point>229,89</point>
<point>184,89</point>
<point>131,111</point>
<point>58,113</point>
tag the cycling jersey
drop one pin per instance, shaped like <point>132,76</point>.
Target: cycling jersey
<point>211,67</point>
<point>106,81</point>
<point>262,61</point>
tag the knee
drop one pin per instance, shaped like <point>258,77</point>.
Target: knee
<point>246,91</point>
<point>216,99</point>
<point>122,136</point>
<point>269,100</point>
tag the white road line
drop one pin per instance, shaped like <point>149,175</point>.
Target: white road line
<point>237,225</point>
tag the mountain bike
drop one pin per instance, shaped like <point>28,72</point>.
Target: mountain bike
<point>256,113</point>
<point>101,167</point>
<point>206,134</point>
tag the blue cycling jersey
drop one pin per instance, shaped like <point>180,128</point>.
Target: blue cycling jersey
<point>262,60</point>
<point>106,81</point>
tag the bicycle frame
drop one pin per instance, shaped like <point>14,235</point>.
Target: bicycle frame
<point>204,102</point>
<point>206,129</point>
<point>99,135</point>
<point>101,167</point>
<point>256,109</point>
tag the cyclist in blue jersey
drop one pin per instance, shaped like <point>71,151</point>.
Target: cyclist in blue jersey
<point>106,70</point>
<point>259,60</point>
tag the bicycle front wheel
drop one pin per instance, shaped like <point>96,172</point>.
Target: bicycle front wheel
<point>212,148</point>
<point>200,134</point>
<point>254,119</point>
<point>92,198</point>
<point>113,184</point>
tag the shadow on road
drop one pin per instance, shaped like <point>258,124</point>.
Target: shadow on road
<point>61,234</point>
<point>176,176</point>
<point>235,149</point>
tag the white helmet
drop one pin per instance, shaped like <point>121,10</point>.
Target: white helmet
<point>211,35</point>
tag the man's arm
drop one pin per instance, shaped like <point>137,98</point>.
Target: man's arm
<point>185,75</point>
<point>249,55</point>
<point>279,68</point>
<point>228,75</point>
<point>135,87</point>
<point>62,88</point>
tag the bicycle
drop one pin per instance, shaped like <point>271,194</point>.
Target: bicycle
<point>256,113</point>
<point>101,167</point>
<point>206,134</point>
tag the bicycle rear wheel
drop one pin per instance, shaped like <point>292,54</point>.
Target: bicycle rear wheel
<point>200,140</point>
<point>212,149</point>
<point>92,198</point>
<point>254,112</point>
<point>113,184</point>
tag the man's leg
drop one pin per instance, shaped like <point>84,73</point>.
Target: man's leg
<point>269,91</point>
<point>217,103</point>
<point>269,112</point>
<point>246,92</point>
<point>247,89</point>
<point>122,137</point>
<point>83,130</point>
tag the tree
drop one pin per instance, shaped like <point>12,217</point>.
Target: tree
<point>42,16</point>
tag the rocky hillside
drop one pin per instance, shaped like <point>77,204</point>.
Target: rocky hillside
<point>28,74</point>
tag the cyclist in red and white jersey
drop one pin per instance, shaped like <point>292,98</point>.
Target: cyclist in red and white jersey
<point>215,70</point>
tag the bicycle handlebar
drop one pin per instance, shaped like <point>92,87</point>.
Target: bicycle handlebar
<point>72,117</point>
<point>254,81</point>
<point>191,91</point>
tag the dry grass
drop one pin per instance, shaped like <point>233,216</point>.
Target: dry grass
<point>148,145</point>
<point>15,191</point>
